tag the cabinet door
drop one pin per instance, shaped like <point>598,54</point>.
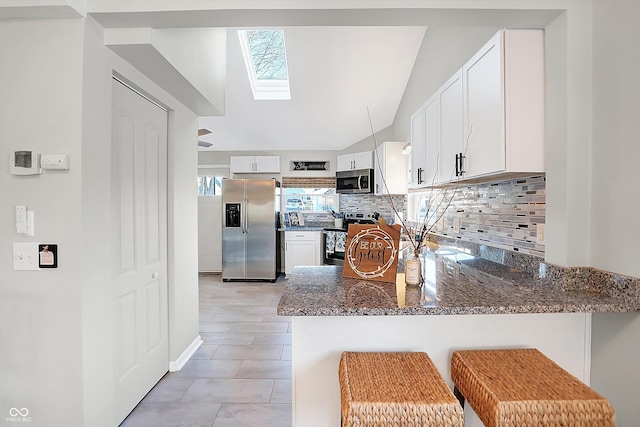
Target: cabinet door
<point>417,149</point>
<point>241,164</point>
<point>363,160</point>
<point>432,158</point>
<point>380,170</point>
<point>484,110</point>
<point>267,164</point>
<point>345,162</point>
<point>299,252</point>
<point>451,128</point>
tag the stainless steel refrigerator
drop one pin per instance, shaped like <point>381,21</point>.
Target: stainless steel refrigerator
<point>249,235</point>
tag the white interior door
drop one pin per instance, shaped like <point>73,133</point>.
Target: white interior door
<point>139,218</point>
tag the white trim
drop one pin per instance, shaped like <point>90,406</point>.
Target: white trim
<point>264,90</point>
<point>179,363</point>
<point>135,88</point>
<point>228,166</point>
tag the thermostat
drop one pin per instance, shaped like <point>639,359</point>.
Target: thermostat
<point>24,163</point>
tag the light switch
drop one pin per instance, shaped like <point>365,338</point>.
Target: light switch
<point>25,256</point>
<point>55,161</point>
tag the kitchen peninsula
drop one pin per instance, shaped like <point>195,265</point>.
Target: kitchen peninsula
<point>465,303</point>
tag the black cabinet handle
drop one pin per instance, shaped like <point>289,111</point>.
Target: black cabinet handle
<point>420,176</point>
<point>461,165</point>
<point>457,165</point>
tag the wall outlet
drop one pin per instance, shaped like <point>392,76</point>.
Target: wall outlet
<point>25,256</point>
<point>456,225</point>
<point>540,233</point>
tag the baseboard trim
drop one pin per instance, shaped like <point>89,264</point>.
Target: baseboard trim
<point>176,365</point>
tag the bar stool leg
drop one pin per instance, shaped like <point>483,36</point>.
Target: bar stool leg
<point>458,395</point>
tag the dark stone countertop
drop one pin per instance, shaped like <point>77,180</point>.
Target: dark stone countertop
<point>455,283</point>
<point>302,228</point>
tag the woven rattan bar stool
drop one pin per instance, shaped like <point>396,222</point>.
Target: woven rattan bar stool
<point>395,390</point>
<point>524,388</point>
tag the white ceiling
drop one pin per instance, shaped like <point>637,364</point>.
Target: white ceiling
<point>344,57</point>
<point>335,73</point>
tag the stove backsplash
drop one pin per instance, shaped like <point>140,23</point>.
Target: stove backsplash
<point>503,214</point>
<point>368,203</point>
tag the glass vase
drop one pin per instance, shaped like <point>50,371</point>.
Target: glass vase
<point>413,269</point>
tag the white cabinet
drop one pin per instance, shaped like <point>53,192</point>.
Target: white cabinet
<point>417,148</point>
<point>441,122</point>
<point>301,248</point>
<point>451,128</point>
<point>255,164</point>
<point>487,120</point>
<point>390,167</point>
<point>503,90</point>
<point>362,160</point>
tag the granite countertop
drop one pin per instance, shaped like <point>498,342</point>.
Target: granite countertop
<point>455,283</point>
<point>302,228</point>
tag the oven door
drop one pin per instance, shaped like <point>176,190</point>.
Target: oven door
<point>334,243</point>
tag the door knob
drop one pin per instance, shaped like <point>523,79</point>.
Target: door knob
<point>154,275</point>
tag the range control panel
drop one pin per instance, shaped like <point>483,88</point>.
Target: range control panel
<point>359,218</point>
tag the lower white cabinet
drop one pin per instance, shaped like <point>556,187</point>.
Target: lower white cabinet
<point>301,248</point>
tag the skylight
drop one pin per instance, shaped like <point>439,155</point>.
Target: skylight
<point>266,61</point>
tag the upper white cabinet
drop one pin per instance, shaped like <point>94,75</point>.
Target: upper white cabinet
<point>488,118</point>
<point>440,121</point>
<point>255,164</point>
<point>451,128</point>
<point>390,167</point>
<point>417,148</point>
<point>504,96</point>
<point>362,160</point>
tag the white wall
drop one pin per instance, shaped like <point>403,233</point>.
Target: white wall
<point>183,230</point>
<point>368,143</point>
<point>56,349</point>
<point>209,233</point>
<point>568,147</point>
<point>443,51</point>
<point>616,146</point>
<point>616,198</point>
<point>199,54</point>
<point>40,311</point>
<point>98,319</point>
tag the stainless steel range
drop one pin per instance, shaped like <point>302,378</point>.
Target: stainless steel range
<point>335,239</point>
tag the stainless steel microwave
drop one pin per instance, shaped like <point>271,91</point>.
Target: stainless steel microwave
<point>354,181</point>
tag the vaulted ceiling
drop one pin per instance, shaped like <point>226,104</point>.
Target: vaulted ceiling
<point>343,60</point>
<point>336,74</point>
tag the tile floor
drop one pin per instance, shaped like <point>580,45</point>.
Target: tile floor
<point>240,376</point>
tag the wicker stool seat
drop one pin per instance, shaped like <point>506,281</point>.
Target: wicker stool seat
<point>395,389</point>
<point>524,388</point>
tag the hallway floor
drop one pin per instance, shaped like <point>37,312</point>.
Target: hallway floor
<point>240,376</point>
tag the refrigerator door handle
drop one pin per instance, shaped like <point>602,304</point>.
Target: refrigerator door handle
<point>245,219</point>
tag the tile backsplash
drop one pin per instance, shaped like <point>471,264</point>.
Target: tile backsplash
<point>503,214</point>
<point>368,203</point>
